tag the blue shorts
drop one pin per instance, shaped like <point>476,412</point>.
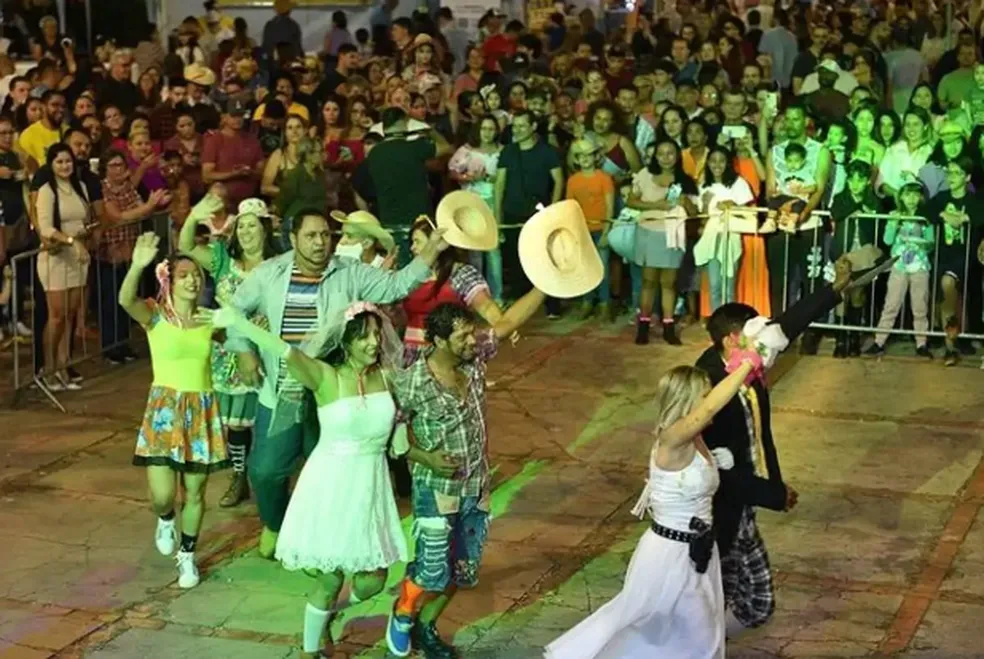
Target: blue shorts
<point>449,534</point>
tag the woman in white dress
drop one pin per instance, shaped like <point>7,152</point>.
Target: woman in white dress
<point>342,518</point>
<point>672,603</point>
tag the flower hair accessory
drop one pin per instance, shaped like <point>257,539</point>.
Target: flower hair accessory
<point>360,307</point>
<point>165,299</point>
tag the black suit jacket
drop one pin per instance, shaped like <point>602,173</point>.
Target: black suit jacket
<point>740,486</point>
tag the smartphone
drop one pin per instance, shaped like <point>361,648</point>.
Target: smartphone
<point>94,165</point>
<point>771,104</point>
<point>734,132</point>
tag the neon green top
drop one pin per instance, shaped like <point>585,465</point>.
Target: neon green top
<point>179,356</point>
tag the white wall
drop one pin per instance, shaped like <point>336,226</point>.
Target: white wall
<point>314,21</point>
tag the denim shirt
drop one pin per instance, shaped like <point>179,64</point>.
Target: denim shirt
<point>344,282</point>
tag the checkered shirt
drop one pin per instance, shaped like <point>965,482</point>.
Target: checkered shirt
<point>119,240</point>
<point>441,421</point>
<point>746,575</point>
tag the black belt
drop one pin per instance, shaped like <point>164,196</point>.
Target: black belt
<point>701,541</point>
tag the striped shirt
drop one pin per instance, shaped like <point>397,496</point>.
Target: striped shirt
<point>300,317</point>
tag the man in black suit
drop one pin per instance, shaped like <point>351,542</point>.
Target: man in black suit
<point>744,427</point>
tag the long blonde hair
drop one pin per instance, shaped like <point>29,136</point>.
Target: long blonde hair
<point>677,393</point>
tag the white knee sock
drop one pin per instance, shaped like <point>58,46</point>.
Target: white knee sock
<point>314,627</point>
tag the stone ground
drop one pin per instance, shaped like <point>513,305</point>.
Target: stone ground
<point>884,555</point>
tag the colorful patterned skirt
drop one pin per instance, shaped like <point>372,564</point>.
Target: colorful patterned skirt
<point>238,411</point>
<point>183,431</point>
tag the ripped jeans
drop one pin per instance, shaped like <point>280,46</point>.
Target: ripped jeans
<point>449,534</point>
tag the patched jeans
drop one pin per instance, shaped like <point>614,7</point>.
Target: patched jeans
<point>449,534</point>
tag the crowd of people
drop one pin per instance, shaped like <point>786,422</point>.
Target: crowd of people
<point>719,154</point>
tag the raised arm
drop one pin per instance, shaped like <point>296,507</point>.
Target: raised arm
<point>144,253</point>
<point>519,313</point>
<point>385,287</point>
<point>202,211</point>
<point>685,429</point>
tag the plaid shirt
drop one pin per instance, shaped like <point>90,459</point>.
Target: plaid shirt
<point>442,421</point>
<point>116,242</point>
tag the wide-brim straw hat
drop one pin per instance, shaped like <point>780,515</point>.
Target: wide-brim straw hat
<point>367,223</point>
<point>864,257</point>
<point>468,221</point>
<point>199,74</point>
<point>557,252</point>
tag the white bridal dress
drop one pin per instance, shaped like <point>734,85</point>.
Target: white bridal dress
<point>666,609</point>
<point>342,515</point>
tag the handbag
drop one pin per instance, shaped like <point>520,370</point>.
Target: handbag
<point>622,238</point>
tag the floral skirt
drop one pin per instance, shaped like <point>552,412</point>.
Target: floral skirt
<point>183,431</point>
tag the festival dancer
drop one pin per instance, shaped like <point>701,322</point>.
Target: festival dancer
<point>229,263</point>
<point>181,434</point>
<point>342,518</point>
<point>672,604</point>
<point>443,396</point>
<point>297,292</point>
<point>744,427</point>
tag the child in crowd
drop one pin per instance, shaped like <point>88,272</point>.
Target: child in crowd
<point>627,214</point>
<point>664,91</point>
<point>594,190</point>
<point>912,241</point>
<point>794,188</point>
<point>853,235</point>
<point>973,103</point>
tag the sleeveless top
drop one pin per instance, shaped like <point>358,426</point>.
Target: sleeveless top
<point>674,497</point>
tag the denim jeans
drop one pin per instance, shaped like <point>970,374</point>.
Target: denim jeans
<point>448,543</point>
<point>489,264</point>
<point>273,459</point>
<point>721,291</point>
<point>603,293</point>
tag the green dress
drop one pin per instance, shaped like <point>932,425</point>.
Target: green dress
<point>237,400</point>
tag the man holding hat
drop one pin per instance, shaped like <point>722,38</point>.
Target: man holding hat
<point>233,157</point>
<point>443,395</point>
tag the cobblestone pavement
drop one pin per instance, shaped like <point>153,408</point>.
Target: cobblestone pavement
<point>883,556</point>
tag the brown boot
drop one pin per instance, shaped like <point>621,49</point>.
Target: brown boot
<point>237,492</point>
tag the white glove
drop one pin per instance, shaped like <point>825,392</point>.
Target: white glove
<point>724,459</point>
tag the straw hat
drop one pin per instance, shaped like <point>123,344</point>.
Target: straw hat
<point>469,221</point>
<point>864,257</point>
<point>557,253</point>
<point>585,145</point>
<point>368,224</point>
<point>199,74</point>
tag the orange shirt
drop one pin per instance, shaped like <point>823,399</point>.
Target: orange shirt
<point>591,190</point>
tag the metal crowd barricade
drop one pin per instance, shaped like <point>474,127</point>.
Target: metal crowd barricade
<point>65,293</point>
<point>935,279</point>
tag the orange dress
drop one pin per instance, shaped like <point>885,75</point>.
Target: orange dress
<point>752,281</point>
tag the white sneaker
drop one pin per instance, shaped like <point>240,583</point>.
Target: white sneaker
<point>22,330</point>
<point>187,570</point>
<point>166,537</point>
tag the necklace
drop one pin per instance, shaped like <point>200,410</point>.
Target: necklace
<point>359,375</point>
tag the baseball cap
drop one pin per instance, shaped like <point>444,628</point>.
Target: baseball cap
<point>236,106</point>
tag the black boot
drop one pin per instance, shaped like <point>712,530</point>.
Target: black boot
<point>854,317</point>
<point>425,639</point>
<point>810,342</point>
<point>669,334</point>
<point>840,345</point>
<point>642,331</point>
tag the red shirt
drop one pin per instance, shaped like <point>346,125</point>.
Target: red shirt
<point>228,152</point>
<point>495,48</point>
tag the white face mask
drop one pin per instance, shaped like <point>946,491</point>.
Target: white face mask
<point>349,251</point>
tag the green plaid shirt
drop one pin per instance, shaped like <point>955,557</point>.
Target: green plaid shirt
<point>441,421</point>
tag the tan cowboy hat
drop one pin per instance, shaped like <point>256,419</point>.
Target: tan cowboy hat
<point>864,257</point>
<point>469,221</point>
<point>199,74</point>
<point>368,224</point>
<point>557,252</point>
